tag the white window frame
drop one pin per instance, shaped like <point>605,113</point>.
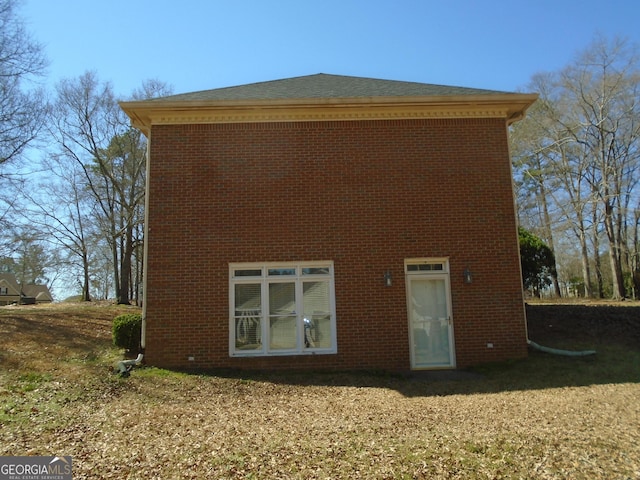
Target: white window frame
<point>264,279</point>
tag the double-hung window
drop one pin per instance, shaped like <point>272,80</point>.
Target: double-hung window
<point>281,309</point>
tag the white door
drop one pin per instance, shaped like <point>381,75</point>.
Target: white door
<point>430,323</point>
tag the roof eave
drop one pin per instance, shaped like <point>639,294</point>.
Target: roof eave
<point>143,114</point>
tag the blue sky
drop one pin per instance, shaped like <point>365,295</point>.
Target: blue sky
<point>202,44</point>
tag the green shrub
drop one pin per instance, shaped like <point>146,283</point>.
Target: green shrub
<point>127,331</point>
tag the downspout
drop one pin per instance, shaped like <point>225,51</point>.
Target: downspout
<point>125,366</point>
<point>145,245</point>
<point>514,118</point>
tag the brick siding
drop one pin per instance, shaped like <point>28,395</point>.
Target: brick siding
<point>365,194</point>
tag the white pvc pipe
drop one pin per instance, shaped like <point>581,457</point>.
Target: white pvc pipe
<point>122,366</point>
<point>556,351</point>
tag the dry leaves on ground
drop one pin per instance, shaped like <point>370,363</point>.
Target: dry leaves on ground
<point>165,425</point>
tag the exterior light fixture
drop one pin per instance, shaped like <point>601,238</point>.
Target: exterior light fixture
<point>468,276</point>
<point>387,279</point>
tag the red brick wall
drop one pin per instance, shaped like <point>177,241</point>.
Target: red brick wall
<point>365,194</point>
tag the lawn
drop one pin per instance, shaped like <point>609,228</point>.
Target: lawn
<point>543,417</point>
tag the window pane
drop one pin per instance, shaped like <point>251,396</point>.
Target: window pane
<point>248,322</point>
<point>317,319</point>
<point>248,333</point>
<point>248,298</point>
<point>248,273</point>
<point>315,271</point>
<point>315,297</point>
<point>425,267</point>
<point>282,271</point>
<point>282,298</point>
<point>283,333</point>
<point>317,331</point>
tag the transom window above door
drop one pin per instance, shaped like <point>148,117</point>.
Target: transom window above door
<point>281,309</point>
<point>426,265</point>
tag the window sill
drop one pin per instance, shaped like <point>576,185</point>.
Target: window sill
<point>241,354</point>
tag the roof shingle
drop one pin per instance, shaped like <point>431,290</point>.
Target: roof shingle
<point>323,85</point>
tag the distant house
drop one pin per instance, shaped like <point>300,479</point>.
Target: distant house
<point>331,222</point>
<point>40,293</point>
<point>9,289</point>
<point>12,292</point>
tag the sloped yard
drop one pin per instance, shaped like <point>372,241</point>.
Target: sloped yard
<point>545,417</point>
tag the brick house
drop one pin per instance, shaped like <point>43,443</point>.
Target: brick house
<point>331,222</point>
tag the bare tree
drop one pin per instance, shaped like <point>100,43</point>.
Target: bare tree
<point>22,108</point>
<point>29,258</point>
<point>604,85</point>
<point>60,207</point>
<point>550,174</point>
<point>91,130</point>
<point>582,155</point>
<point>21,62</point>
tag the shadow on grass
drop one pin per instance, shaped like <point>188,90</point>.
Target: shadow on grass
<point>611,365</point>
<point>612,330</point>
<point>51,337</point>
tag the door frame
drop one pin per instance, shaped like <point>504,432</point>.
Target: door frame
<point>424,269</point>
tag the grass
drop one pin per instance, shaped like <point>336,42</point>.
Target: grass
<point>543,417</point>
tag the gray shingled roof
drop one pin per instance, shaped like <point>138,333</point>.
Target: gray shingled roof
<point>323,85</point>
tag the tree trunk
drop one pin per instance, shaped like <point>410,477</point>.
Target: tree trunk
<point>125,266</point>
<point>586,269</point>
<point>614,255</point>
<point>596,252</point>
<point>635,256</point>
<point>86,296</point>
<point>549,236</point>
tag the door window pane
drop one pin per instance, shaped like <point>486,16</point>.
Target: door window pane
<point>430,323</point>
<point>429,298</point>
